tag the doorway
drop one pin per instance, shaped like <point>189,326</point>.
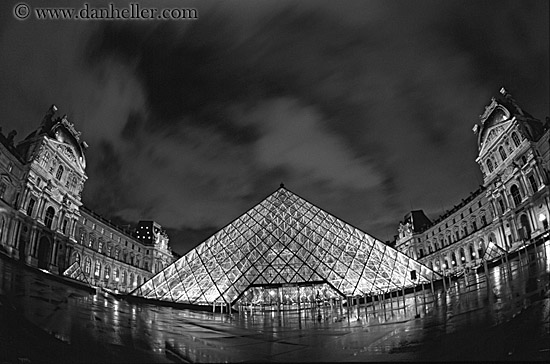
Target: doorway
<point>44,252</point>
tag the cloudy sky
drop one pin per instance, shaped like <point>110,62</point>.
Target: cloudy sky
<point>364,108</point>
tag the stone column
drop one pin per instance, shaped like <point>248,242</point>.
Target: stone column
<point>16,233</point>
<point>53,256</point>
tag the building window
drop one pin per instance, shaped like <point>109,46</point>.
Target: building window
<point>65,223</point>
<point>3,188</point>
<point>501,205</point>
<point>48,219</point>
<point>59,173</point>
<point>502,153</point>
<point>483,220</point>
<point>30,207</point>
<point>117,253</point>
<point>87,266</point>
<point>107,273</point>
<point>515,195</point>
<point>108,250</point>
<point>533,183</point>
<point>97,269</point>
<point>489,165</point>
<point>515,139</point>
<point>44,160</point>
<point>100,246</point>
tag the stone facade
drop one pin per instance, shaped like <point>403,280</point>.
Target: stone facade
<point>43,221</point>
<point>510,209</point>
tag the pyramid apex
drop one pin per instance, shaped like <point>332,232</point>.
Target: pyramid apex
<point>282,185</point>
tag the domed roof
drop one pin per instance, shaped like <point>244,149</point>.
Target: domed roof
<point>63,132</point>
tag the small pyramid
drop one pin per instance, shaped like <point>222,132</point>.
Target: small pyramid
<point>283,240</point>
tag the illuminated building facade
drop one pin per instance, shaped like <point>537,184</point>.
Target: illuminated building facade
<point>43,221</point>
<point>510,209</point>
<point>284,251</point>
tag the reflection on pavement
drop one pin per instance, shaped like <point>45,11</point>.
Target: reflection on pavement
<point>424,325</point>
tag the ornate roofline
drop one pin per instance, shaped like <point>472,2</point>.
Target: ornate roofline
<point>488,110</point>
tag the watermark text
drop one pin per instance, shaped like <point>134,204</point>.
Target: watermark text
<point>134,11</point>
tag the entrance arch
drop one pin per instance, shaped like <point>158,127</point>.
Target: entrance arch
<point>44,252</point>
<point>525,227</point>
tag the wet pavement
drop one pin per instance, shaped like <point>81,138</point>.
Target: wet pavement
<point>506,317</point>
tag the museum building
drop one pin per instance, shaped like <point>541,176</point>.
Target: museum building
<point>44,223</point>
<point>510,210</point>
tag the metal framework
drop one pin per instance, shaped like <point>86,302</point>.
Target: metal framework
<point>284,241</point>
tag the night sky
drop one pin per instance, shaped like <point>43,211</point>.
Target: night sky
<point>364,108</point>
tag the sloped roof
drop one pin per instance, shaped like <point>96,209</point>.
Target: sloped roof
<point>283,240</point>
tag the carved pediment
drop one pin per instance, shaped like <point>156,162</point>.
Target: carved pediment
<point>67,151</point>
<point>492,135</point>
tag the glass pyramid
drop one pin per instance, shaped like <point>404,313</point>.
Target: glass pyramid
<point>493,252</point>
<point>284,241</point>
<point>75,272</point>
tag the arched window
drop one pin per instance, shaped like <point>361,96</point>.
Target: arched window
<point>489,165</point>
<point>525,226</point>
<point>502,153</point>
<point>100,246</point>
<point>76,258</point>
<point>59,173</point>
<point>515,139</point>
<point>117,274</point>
<point>87,266</point>
<point>472,253</point>
<point>48,219</point>
<point>124,278</point>
<point>514,190</point>
<point>107,273</point>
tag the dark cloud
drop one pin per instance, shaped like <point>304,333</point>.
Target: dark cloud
<point>365,108</point>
